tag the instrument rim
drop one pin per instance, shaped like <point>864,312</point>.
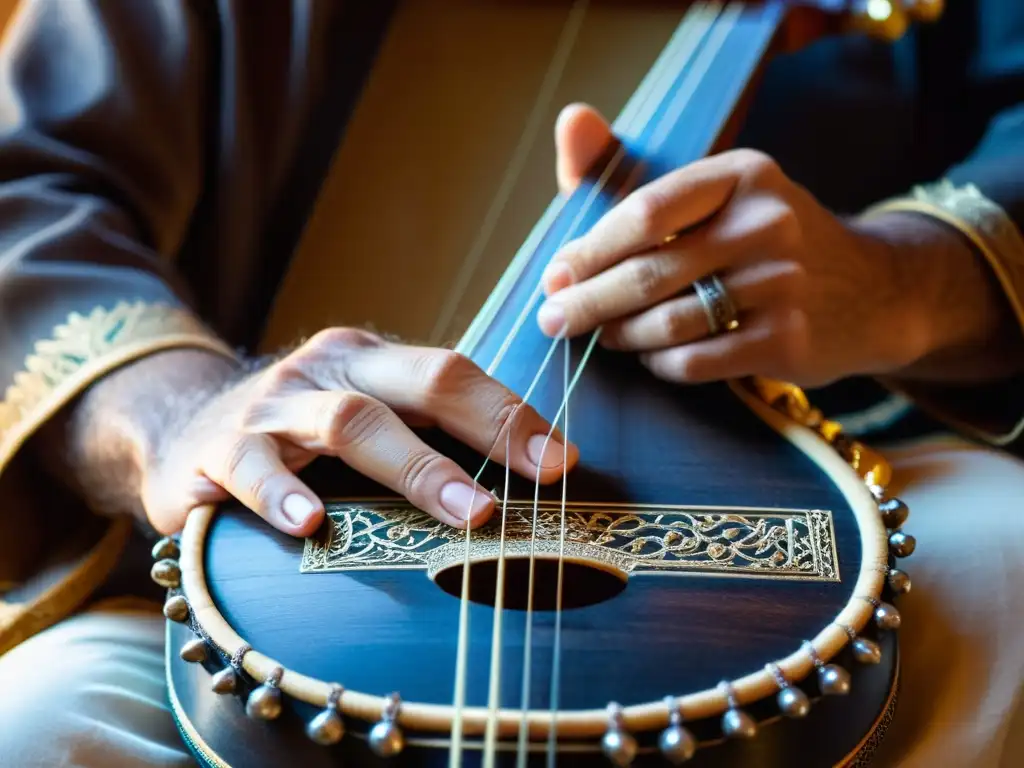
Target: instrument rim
<point>589,723</point>
<point>202,750</point>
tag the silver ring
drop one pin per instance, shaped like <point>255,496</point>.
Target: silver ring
<point>718,307</point>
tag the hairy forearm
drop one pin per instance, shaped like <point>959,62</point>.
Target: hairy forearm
<point>964,330</point>
<point>102,444</point>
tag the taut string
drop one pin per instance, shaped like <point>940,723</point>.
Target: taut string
<point>713,31</point>
<point>494,684</point>
<point>528,645</point>
<point>553,76</point>
<point>689,40</point>
<point>556,661</point>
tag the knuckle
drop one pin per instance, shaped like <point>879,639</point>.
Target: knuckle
<point>253,414</point>
<point>442,373</point>
<point>417,470</point>
<point>758,166</point>
<point>340,338</point>
<point>281,376</point>
<point>672,324</point>
<point>505,410</point>
<point>237,452</point>
<point>646,209</point>
<point>647,277</point>
<point>254,484</point>
<point>353,419</point>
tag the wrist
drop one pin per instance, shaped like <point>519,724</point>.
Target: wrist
<point>947,302</point>
<point>112,435</point>
<point>893,248</point>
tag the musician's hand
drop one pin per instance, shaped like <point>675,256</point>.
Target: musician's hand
<point>345,393</point>
<point>818,298</point>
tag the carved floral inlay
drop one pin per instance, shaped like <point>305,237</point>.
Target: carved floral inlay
<point>773,543</point>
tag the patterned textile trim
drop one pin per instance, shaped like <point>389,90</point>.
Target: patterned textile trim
<point>84,349</point>
<point>80,351</point>
<point>996,237</point>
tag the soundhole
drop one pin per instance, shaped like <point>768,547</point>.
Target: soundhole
<point>583,584</point>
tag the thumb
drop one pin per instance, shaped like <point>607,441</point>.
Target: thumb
<point>581,135</point>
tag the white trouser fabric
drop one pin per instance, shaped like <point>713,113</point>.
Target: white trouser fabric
<point>89,693</point>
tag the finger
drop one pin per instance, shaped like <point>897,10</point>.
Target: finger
<point>683,320</point>
<point>250,468</point>
<point>369,437</point>
<point>581,137</point>
<point>629,287</point>
<point>645,218</point>
<point>770,345</point>
<point>463,401</point>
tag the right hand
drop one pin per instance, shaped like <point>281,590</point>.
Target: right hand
<point>344,393</point>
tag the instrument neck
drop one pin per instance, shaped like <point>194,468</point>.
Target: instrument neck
<point>680,113</point>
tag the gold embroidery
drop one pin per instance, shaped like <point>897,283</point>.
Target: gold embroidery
<point>83,349</point>
<point>776,543</point>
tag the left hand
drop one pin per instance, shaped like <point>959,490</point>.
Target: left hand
<point>817,299</point>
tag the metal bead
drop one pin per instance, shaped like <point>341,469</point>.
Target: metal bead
<point>619,747</point>
<point>386,738</point>
<point>176,609</point>
<point>899,581</point>
<point>894,513</point>
<point>166,573</point>
<point>617,744</point>
<point>166,549</point>
<point>326,729</point>
<point>902,544</point>
<point>264,703</point>
<point>225,681</point>
<point>793,702</point>
<point>737,724</point>
<point>887,617</point>
<point>866,651</point>
<point>833,680</point>
<point>677,744</point>
<point>194,651</point>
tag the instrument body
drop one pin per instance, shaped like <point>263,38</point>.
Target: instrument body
<point>707,536</point>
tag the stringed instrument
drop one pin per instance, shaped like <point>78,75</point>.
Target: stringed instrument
<point>713,584</point>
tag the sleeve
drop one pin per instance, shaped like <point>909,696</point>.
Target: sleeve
<point>982,198</point>
<point>102,148</point>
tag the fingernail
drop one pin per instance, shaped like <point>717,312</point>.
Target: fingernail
<point>556,277</point>
<point>297,508</point>
<point>549,455</point>
<point>551,319</point>
<point>456,498</point>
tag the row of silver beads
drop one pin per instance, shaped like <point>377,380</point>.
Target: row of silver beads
<point>265,702</point>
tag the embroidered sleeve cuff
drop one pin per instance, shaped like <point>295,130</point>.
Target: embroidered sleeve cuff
<point>993,413</point>
<point>82,350</point>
